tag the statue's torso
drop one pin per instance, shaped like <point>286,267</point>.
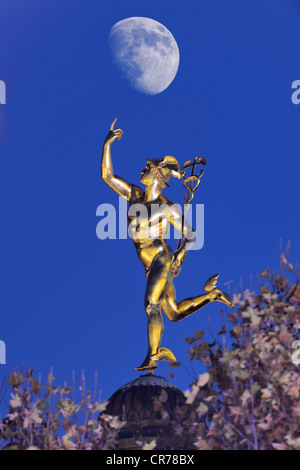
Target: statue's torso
<point>149,226</point>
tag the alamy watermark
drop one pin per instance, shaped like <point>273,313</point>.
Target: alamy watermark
<point>128,222</point>
<point>296,354</point>
<point>296,94</point>
<point>2,352</point>
<point>2,92</point>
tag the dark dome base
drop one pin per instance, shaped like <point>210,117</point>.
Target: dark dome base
<point>135,404</point>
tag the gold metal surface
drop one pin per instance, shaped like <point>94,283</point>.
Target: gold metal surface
<point>160,261</point>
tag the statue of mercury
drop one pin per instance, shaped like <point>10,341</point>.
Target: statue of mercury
<point>162,264</point>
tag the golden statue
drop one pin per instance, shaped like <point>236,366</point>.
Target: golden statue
<point>160,261</point>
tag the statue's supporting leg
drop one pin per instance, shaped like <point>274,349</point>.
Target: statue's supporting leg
<point>156,327</point>
<point>155,332</point>
<point>158,278</point>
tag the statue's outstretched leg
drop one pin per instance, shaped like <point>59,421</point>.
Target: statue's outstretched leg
<point>176,311</point>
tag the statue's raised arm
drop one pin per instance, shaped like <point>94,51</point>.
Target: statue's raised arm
<point>118,184</point>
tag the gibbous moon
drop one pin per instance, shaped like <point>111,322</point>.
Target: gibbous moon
<point>146,53</point>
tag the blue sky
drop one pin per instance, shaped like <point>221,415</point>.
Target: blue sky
<point>71,301</point>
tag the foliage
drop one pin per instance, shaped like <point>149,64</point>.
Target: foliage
<point>47,418</point>
<point>248,397</point>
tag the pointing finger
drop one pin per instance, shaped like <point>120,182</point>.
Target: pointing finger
<point>113,124</point>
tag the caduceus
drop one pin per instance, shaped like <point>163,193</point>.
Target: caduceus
<point>191,183</point>
<point>160,261</point>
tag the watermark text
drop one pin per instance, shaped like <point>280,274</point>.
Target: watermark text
<point>2,352</point>
<point>296,354</point>
<point>296,94</point>
<point>143,222</point>
<point>2,92</point>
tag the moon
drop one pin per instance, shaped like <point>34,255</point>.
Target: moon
<point>146,53</point>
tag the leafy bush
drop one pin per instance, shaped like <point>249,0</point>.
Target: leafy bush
<point>47,418</point>
<point>248,398</point>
